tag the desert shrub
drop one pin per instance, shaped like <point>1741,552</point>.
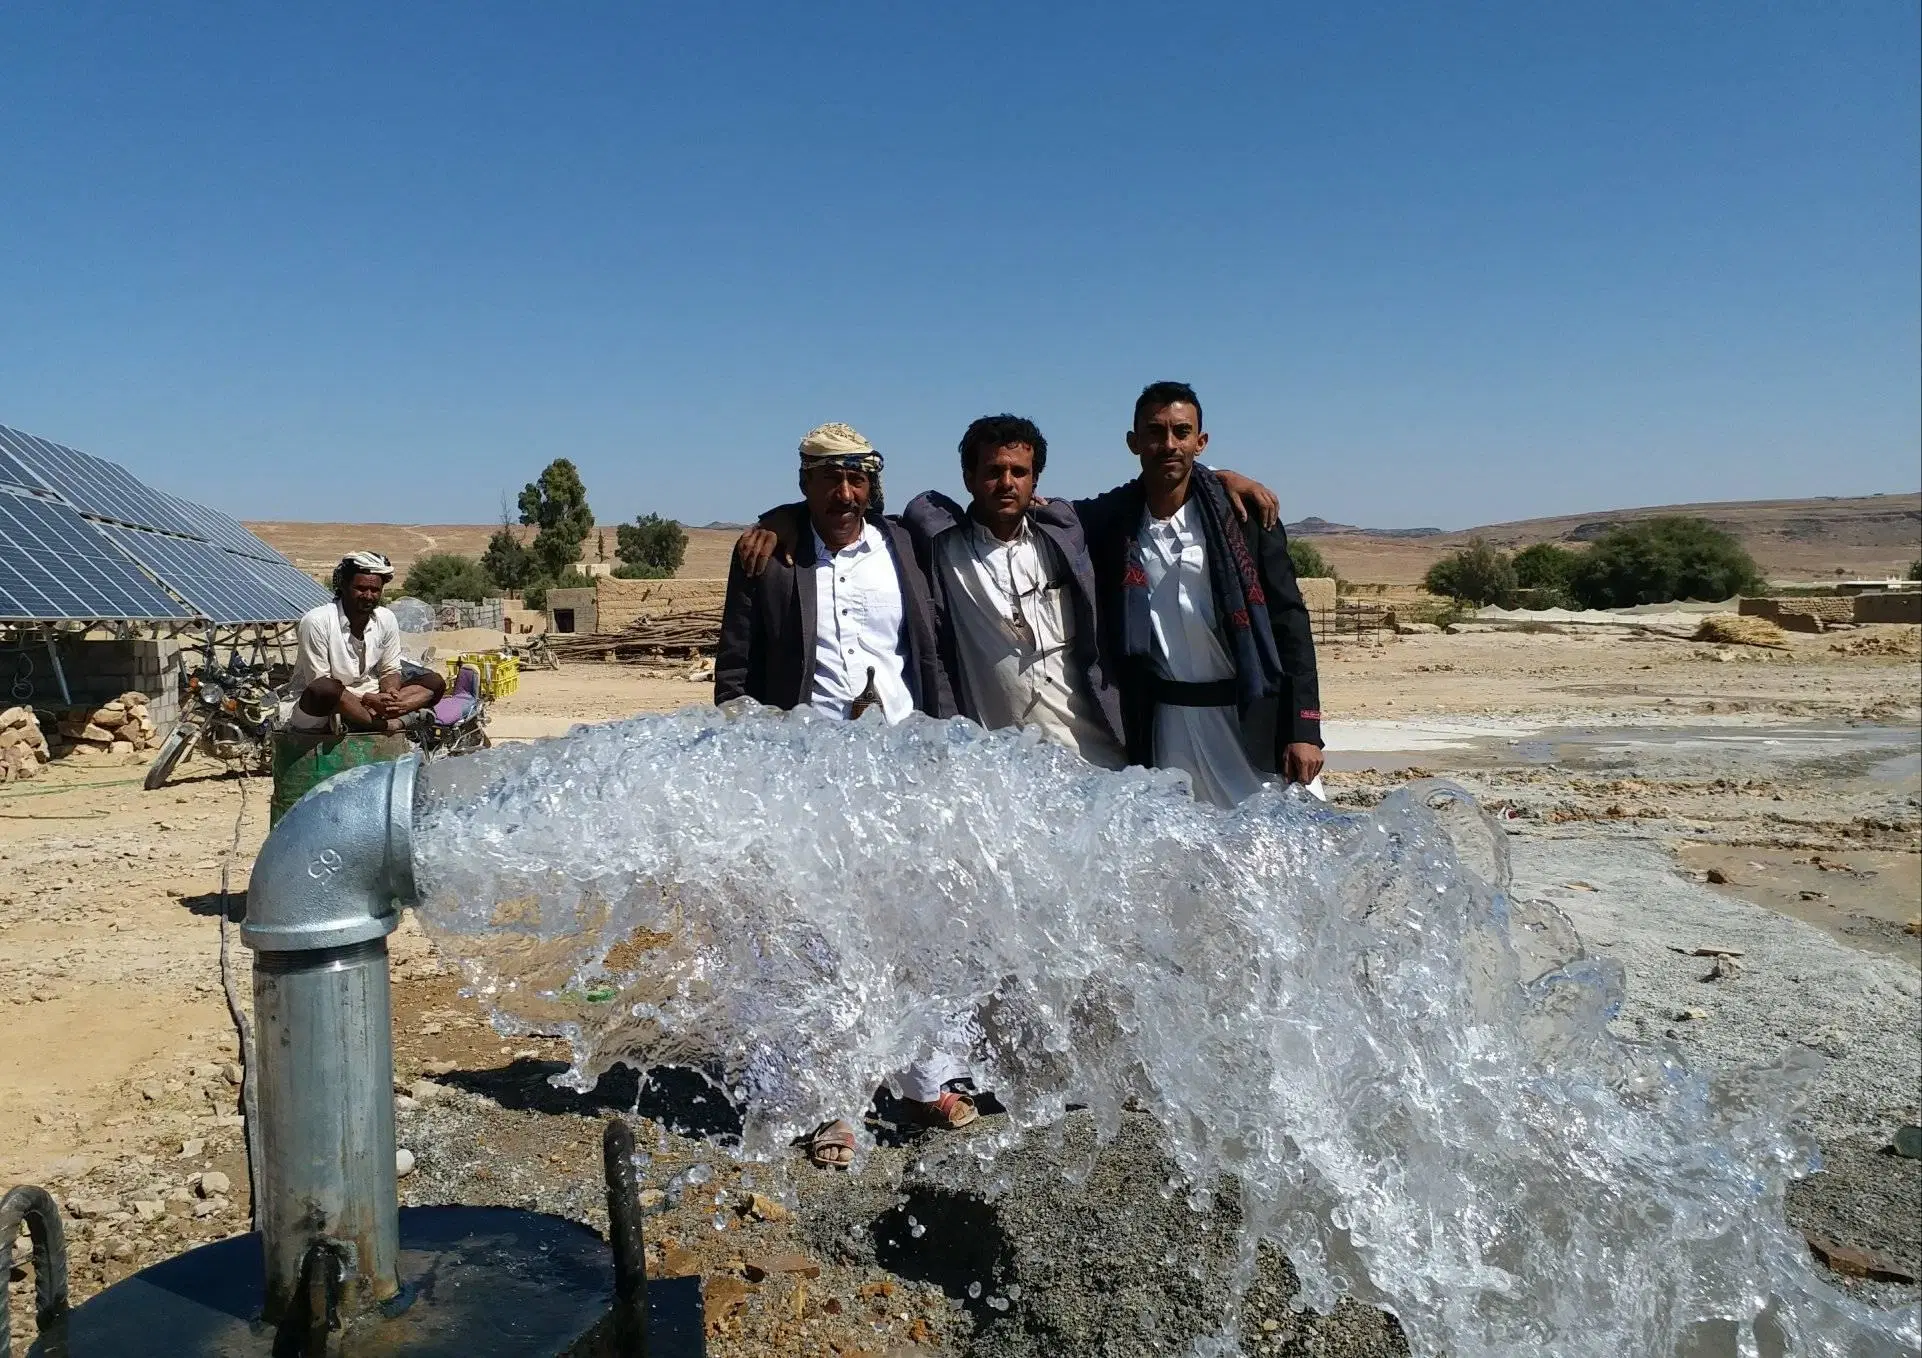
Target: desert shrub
<point>440,576</point>
<point>1477,574</point>
<point>1915,570</point>
<point>651,541</point>
<point>1658,561</point>
<point>629,571</point>
<point>1308,561</point>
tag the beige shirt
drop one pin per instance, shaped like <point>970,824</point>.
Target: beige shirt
<point>1018,675</point>
<point>329,647</point>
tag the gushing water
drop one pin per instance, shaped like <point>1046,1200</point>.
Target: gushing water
<point>1408,1074</point>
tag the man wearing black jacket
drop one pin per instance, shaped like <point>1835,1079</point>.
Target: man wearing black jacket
<point>1203,628</point>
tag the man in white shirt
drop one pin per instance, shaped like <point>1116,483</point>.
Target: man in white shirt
<point>349,662</point>
<point>847,625</point>
<point>1203,624</point>
<point>1013,590</point>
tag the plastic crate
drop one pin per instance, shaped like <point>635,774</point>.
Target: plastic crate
<point>500,675</point>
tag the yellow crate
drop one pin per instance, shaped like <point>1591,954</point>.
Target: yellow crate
<point>500,675</point>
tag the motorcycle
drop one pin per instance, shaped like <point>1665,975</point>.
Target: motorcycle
<point>227,715</point>
<point>457,724</point>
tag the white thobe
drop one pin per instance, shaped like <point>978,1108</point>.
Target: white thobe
<point>1016,675</point>
<point>857,627</point>
<point>1205,741</point>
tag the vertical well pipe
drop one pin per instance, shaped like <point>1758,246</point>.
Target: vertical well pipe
<point>327,889</point>
<point>327,1091</point>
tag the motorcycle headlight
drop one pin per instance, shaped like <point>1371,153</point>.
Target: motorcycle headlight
<point>213,694</point>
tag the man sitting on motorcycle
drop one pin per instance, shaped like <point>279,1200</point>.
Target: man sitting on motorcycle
<point>350,663</point>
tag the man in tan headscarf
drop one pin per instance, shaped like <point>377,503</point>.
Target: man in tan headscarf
<point>849,620</point>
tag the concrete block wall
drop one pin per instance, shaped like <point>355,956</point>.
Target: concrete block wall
<point>582,602</point>
<point>99,671</point>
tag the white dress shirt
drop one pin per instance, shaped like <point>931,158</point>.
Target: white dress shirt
<point>328,648</point>
<point>1016,675</point>
<point>858,617</point>
<point>1206,741</point>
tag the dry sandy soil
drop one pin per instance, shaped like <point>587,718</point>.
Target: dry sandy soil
<point>116,1082</point>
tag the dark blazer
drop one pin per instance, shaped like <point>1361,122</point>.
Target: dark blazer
<point>1111,522</point>
<point>767,630</point>
<point>931,514</point>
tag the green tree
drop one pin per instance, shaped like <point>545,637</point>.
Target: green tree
<point>1545,565</point>
<point>448,575</point>
<point>652,541</point>
<point>1915,570</point>
<point>557,506</point>
<point>628,571</point>
<point>1307,560</point>
<point>535,595</point>
<point>507,561</point>
<point>1477,574</point>
<point>1657,561</point>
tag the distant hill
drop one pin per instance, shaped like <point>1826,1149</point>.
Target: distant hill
<point>1868,535</point>
<point>1313,527</point>
<point>1813,539</point>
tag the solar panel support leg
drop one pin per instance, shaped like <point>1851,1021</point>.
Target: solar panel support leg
<point>59,671</point>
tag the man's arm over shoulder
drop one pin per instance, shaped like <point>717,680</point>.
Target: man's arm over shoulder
<point>1294,638</point>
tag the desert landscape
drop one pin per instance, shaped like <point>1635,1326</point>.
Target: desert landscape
<point>1816,539</point>
<point>1739,826</point>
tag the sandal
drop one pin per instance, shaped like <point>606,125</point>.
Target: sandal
<point>950,1112</point>
<point>831,1145</point>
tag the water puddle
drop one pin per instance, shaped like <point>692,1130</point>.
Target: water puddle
<point>1405,1075</point>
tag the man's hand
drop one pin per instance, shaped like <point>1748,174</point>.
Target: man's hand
<point>1245,495</point>
<point>1301,762</point>
<point>753,550</point>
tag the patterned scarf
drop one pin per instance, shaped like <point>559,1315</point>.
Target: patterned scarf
<point>1241,609</point>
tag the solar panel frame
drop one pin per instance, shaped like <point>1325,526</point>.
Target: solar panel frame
<point>60,569</point>
<point>217,584</point>
<point>97,487</point>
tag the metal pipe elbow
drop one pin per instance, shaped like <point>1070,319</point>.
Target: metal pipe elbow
<point>339,866</point>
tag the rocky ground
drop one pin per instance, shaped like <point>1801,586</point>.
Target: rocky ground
<point>1637,777</point>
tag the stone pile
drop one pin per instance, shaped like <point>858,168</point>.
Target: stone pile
<point>23,746</point>
<point>122,726</point>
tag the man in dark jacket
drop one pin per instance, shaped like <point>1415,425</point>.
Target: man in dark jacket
<point>846,626</point>
<point>851,613</point>
<point>1203,628</point>
<point>1013,590</point>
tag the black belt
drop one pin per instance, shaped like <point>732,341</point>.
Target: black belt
<point>1174,693</point>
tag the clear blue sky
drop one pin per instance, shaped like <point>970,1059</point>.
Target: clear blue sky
<point>1427,264</point>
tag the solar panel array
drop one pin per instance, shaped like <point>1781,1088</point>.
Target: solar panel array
<point>82,539</point>
<point>56,566</point>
